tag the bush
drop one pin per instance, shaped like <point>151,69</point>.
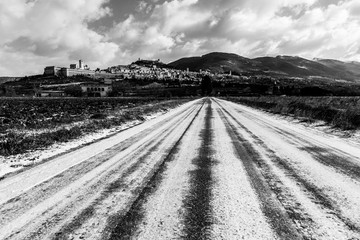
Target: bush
<point>98,116</point>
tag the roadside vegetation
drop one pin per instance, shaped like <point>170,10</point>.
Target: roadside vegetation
<point>30,124</point>
<point>340,112</point>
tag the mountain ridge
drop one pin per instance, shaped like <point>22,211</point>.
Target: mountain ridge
<point>279,66</point>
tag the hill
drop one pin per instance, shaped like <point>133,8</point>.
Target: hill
<point>349,68</point>
<point>8,79</point>
<point>215,62</point>
<point>150,63</point>
<point>280,66</point>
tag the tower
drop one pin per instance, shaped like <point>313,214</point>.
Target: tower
<point>81,64</point>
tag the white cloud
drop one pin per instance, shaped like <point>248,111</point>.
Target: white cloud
<point>53,32</point>
<point>254,28</point>
<point>245,27</point>
<point>330,32</point>
<point>143,6</point>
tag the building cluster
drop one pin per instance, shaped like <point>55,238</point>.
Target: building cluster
<point>151,75</point>
<point>93,89</point>
<point>142,69</point>
<point>135,71</point>
<point>73,70</point>
<point>101,88</point>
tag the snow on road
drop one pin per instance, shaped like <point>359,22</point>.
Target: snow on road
<point>210,169</point>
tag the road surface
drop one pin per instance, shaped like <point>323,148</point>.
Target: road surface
<point>210,169</point>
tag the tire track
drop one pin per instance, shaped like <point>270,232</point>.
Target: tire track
<point>276,214</point>
<point>10,187</point>
<point>178,180</point>
<point>334,158</point>
<point>100,185</point>
<point>121,184</point>
<point>103,180</point>
<point>129,223</point>
<point>314,193</point>
<point>18,205</point>
<point>236,207</point>
<point>110,188</point>
<point>198,217</point>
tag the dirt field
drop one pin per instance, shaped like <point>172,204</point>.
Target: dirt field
<point>210,169</point>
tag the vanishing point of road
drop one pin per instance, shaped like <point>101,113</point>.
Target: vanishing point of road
<point>209,169</point>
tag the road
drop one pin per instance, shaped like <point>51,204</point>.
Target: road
<point>210,169</point>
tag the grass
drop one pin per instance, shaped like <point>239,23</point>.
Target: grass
<point>339,112</point>
<point>17,138</point>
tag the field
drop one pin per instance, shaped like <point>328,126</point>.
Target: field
<point>208,169</point>
<point>30,123</point>
<point>340,112</point>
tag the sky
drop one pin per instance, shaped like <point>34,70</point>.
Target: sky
<point>39,33</point>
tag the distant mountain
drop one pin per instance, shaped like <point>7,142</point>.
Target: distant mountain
<point>216,62</point>
<point>349,68</point>
<point>150,63</point>
<point>290,66</point>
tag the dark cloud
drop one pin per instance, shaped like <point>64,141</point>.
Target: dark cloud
<point>21,44</point>
<point>326,3</point>
<point>294,12</point>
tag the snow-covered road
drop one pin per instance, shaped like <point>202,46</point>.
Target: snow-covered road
<point>210,169</point>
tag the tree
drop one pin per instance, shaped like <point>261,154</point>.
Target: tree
<point>206,85</point>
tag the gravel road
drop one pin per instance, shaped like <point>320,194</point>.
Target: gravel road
<point>210,169</point>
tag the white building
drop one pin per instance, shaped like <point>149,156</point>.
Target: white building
<point>96,89</point>
<point>68,72</point>
<point>52,70</point>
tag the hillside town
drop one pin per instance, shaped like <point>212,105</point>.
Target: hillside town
<point>140,78</point>
<point>145,75</point>
<point>182,78</point>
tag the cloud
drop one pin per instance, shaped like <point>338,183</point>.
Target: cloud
<point>144,7</point>
<point>51,33</point>
<point>56,32</point>
<point>310,28</point>
<point>160,33</point>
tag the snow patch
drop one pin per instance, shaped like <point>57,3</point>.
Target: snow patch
<point>17,162</point>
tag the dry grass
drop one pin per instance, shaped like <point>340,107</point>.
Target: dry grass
<point>340,112</point>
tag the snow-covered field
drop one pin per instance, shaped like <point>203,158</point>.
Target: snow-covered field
<point>209,169</point>
<point>18,162</point>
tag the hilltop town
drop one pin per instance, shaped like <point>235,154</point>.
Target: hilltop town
<point>231,75</point>
<point>142,77</point>
<point>140,69</point>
